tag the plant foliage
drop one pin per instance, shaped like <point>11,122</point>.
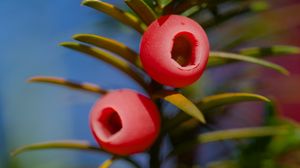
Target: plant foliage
<point>175,127</point>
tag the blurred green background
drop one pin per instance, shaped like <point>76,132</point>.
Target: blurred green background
<point>30,32</point>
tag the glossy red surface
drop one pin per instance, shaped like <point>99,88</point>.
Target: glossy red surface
<point>125,122</point>
<point>174,50</point>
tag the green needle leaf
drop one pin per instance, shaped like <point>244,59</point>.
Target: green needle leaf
<point>259,6</point>
<point>110,45</point>
<point>220,58</point>
<point>108,163</point>
<point>108,58</point>
<point>163,3</point>
<point>185,105</point>
<point>142,10</point>
<point>183,6</point>
<point>228,98</point>
<point>78,145</point>
<point>223,164</point>
<point>116,13</point>
<point>67,83</point>
<point>239,133</point>
<point>66,144</point>
<point>214,101</point>
<point>270,51</point>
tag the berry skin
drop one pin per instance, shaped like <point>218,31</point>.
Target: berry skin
<point>125,122</point>
<point>174,50</point>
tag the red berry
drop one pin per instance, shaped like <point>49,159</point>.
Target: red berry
<point>125,122</point>
<point>174,50</point>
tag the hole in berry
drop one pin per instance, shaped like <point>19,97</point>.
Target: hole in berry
<point>110,121</point>
<point>183,50</point>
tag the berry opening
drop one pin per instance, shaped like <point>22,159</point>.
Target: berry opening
<point>110,121</point>
<point>183,49</point>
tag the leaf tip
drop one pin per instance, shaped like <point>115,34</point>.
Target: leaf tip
<point>67,44</point>
<point>77,36</point>
<point>32,79</point>
<point>63,43</point>
<point>12,154</point>
<point>202,120</point>
<point>87,2</point>
<point>15,152</point>
<point>29,80</point>
<point>286,72</point>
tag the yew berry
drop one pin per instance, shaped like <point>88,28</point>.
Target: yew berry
<point>125,122</point>
<point>174,50</point>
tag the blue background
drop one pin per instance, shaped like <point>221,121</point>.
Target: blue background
<point>30,32</point>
